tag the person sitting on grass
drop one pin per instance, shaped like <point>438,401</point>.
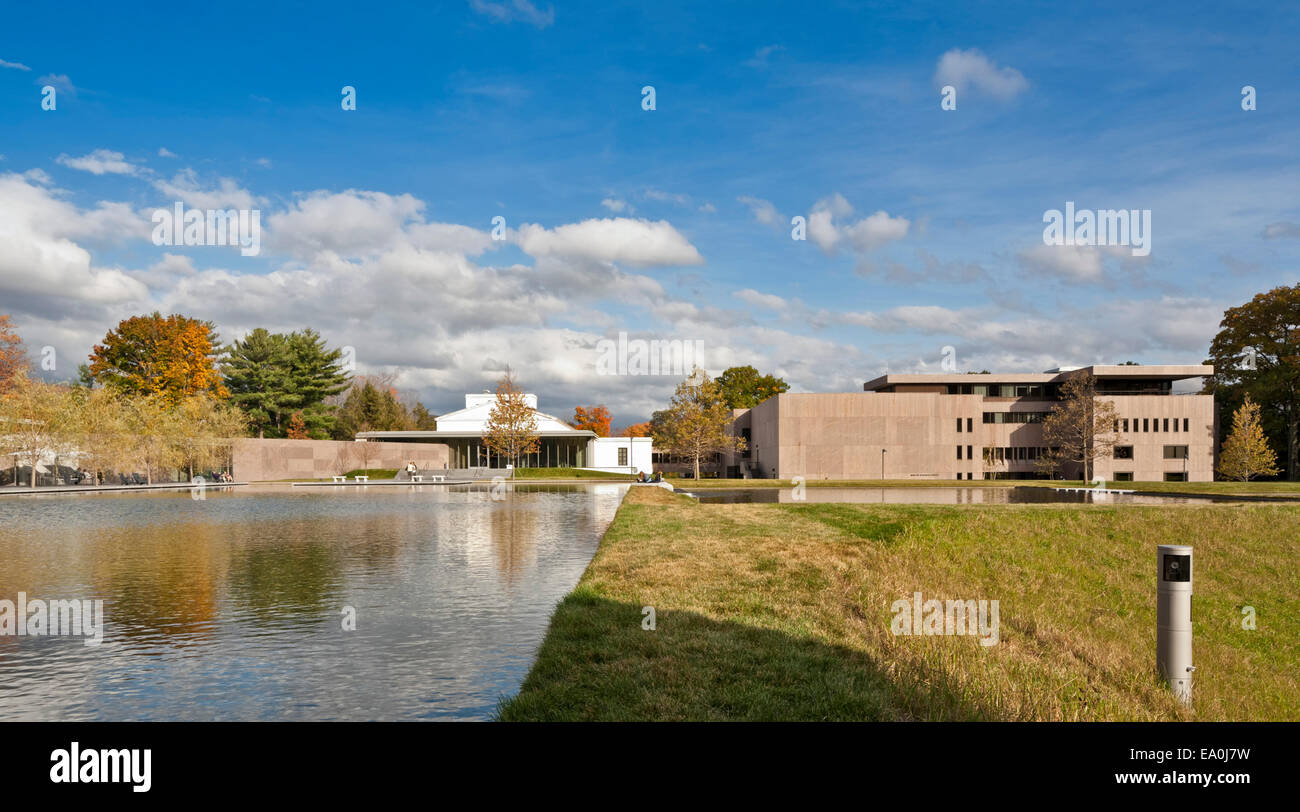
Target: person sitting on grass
<point>640,476</point>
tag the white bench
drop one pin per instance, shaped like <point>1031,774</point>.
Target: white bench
<point>338,478</point>
<point>417,478</point>
<point>438,478</point>
<point>365,479</point>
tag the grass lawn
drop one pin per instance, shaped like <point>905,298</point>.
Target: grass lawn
<point>1244,488</point>
<point>373,473</point>
<point>780,611</point>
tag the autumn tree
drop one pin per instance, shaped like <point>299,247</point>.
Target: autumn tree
<point>35,421</point>
<point>103,436</point>
<point>203,430</point>
<point>636,430</point>
<point>744,388</point>
<point>1080,428</point>
<point>511,427</point>
<point>156,428</point>
<point>592,418</point>
<point>13,357</point>
<point>169,357</point>
<point>695,424</point>
<point>1256,353</point>
<point>297,427</point>
<point>1246,453</point>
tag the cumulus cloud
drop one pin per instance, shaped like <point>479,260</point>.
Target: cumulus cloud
<point>862,236</point>
<point>40,263</point>
<point>972,69</point>
<point>617,206</point>
<point>640,243</point>
<point>100,162</point>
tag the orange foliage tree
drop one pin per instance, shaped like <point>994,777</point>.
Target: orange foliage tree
<point>13,358</point>
<point>636,430</point>
<point>173,357</point>
<point>592,418</point>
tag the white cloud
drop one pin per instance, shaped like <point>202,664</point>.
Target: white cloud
<point>864,236</point>
<point>619,240</point>
<point>58,81</point>
<point>764,211</point>
<point>760,57</point>
<point>972,69</point>
<point>185,186</point>
<point>163,152</point>
<point>14,65</point>
<point>100,162</point>
<point>512,10</point>
<point>39,262</point>
<point>616,205</point>
<point>1273,231</point>
<point>756,299</point>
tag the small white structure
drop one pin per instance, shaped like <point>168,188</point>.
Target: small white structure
<point>562,446</point>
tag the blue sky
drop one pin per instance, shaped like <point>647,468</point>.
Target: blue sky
<point>925,225</point>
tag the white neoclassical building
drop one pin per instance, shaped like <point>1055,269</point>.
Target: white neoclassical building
<point>562,446</point>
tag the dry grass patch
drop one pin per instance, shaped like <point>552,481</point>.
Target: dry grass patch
<point>783,612</point>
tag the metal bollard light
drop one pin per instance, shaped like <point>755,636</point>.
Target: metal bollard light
<point>1174,619</point>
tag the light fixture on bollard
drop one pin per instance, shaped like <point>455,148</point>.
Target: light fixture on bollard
<point>1174,619</point>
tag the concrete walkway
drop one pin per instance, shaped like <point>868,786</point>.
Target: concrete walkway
<point>11,490</point>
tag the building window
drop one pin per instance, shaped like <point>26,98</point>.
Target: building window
<point>1124,424</point>
<point>1014,417</point>
<point>958,452</point>
<point>1175,476</point>
<point>970,423</point>
<point>1185,424</point>
<point>959,425</point>
<point>1123,452</point>
<point>1175,452</point>
<point>969,456</point>
<point>1166,424</point>
<point>1146,425</point>
<point>622,456</point>
<point>1123,476</point>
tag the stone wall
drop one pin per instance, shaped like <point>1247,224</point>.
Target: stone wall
<point>256,460</point>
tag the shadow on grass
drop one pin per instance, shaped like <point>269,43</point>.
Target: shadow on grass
<point>598,663</point>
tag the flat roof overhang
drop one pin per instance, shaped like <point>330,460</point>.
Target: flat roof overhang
<point>460,435</point>
<point>1171,372</point>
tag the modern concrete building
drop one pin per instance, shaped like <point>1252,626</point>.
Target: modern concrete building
<point>562,446</point>
<point>975,426</point>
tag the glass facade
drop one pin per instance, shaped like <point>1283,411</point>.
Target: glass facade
<point>554,452</point>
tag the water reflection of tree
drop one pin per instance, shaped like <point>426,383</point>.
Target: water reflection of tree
<point>293,572</point>
<point>168,584</point>
<point>514,538</point>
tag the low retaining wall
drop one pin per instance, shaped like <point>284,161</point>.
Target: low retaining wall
<point>256,459</point>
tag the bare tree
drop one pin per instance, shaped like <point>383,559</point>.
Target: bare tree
<point>1080,428</point>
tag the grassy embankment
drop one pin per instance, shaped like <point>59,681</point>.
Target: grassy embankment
<point>783,612</point>
<point>1231,488</point>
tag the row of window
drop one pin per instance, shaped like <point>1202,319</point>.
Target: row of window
<point>1170,476</point>
<point>1014,417</point>
<point>1150,424</point>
